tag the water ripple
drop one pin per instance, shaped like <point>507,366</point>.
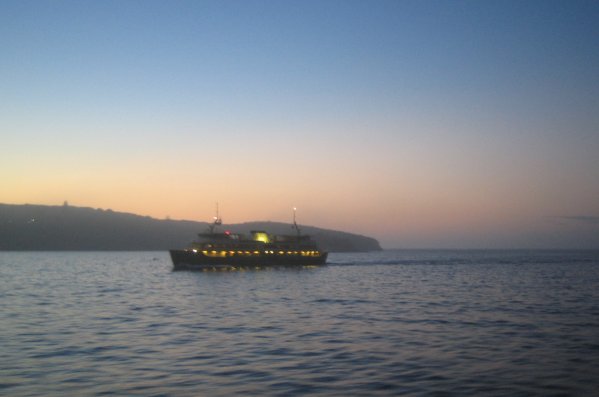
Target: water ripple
<point>391,323</point>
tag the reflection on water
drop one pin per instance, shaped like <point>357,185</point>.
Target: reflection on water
<point>403,322</point>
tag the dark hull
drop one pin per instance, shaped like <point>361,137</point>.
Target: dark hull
<point>189,260</point>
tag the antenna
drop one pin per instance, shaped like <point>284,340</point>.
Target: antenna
<point>217,221</point>
<point>295,226</point>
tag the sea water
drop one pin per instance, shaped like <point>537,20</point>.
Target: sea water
<point>387,323</point>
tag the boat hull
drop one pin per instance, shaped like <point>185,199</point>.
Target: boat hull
<point>197,260</point>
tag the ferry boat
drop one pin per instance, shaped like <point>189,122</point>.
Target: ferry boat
<point>230,251</point>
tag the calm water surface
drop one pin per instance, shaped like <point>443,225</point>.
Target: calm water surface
<point>387,323</point>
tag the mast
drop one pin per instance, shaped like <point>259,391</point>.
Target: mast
<point>295,226</point>
<point>217,221</point>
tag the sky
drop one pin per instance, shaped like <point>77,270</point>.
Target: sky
<point>424,124</point>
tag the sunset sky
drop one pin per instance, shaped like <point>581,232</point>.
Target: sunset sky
<point>443,124</point>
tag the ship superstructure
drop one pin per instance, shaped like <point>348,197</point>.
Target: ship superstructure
<point>227,250</point>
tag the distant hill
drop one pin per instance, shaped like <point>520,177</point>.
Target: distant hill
<point>56,228</point>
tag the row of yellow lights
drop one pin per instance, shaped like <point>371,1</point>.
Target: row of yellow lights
<point>230,253</point>
<point>241,268</point>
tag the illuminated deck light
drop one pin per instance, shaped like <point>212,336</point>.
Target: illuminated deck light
<point>261,236</point>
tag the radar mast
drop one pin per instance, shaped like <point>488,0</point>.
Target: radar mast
<point>217,221</point>
<point>295,226</point>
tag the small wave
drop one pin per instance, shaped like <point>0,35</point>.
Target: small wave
<point>488,327</point>
<point>465,257</point>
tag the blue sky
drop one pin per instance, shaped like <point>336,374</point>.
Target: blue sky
<point>422,123</point>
